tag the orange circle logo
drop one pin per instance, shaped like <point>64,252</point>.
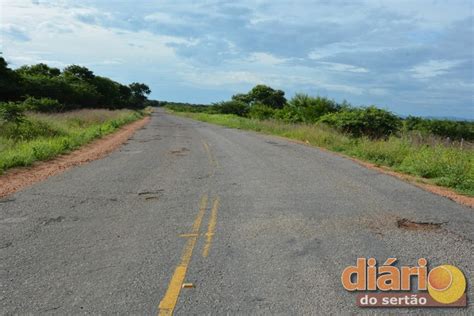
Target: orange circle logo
<point>446,284</point>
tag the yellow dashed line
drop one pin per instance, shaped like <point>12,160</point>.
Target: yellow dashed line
<point>212,160</point>
<point>188,235</point>
<point>211,228</point>
<point>170,299</point>
<point>168,302</point>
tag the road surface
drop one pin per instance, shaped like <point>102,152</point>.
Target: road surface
<point>250,224</point>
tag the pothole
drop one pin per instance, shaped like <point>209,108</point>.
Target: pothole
<point>7,200</point>
<point>150,192</point>
<point>152,198</point>
<point>51,220</point>
<point>179,152</point>
<point>151,195</point>
<point>405,223</point>
<point>275,143</point>
<point>6,244</point>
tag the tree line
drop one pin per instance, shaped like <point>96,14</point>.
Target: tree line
<point>43,88</point>
<point>263,102</point>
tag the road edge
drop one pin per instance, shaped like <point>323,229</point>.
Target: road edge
<point>416,181</point>
<point>16,179</point>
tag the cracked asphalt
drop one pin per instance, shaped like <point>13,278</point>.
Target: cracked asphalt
<point>280,221</point>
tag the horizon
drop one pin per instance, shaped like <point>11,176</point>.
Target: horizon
<point>409,58</point>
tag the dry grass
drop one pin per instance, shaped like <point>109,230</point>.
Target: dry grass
<point>44,136</point>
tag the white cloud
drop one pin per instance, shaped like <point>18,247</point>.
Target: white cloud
<point>362,50</point>
<point>266,59</point>
<point>164,18</point>
<point>433,68</point>
<point>58,31</point>
<point>343,67</point>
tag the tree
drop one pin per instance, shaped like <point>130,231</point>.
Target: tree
<point>39,70</point>
<point>242,97</point>
<point>263,94</point>
<point>139,93</point>
<point>139,89</point>
<point>125,93</point>
<point>268,96</point>
<point>10,83</point>
<point>78,72</point>
<point>48,89</point>
<point>108,90</point>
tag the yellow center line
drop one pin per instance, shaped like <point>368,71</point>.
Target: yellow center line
<point>212,160</point>
<point>168,302</point>
<point>211,227</point>
<point>188,235</point>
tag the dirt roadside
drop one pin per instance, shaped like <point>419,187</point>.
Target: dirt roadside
<point>16,179</point>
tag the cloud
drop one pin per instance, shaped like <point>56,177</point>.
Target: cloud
<point>265,59</point>
<point>394,53</point>
<point>14,32</point>
<point>343,67</point>
<point>433,68</point>
<point>164,18</point>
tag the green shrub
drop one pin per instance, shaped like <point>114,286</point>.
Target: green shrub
<point>186,107</point>
<point>42,105</point>
<point>455,130</point>
<point>389,152</point>
<point>370,121</point>
<point>28,129</point>
<point>306,109</point>
<point>231,107</point>
<point>11,112</point>
<point>261,112</point>
<point>438,161</point>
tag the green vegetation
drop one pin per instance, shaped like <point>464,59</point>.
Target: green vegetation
<point>49,89</point>
<point>436,150</point>
<point>370,121</point>
<point>38,136</point>
<point>263,102</point>
<point>45,112</point>
<point>444,128</point>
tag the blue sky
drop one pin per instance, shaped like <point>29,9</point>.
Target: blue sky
<point>412,57</point>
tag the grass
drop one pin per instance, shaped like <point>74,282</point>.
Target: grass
<point>436,163</point>
<point>45,136</point>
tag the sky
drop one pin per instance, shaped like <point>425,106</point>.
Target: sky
<point>408,56</point>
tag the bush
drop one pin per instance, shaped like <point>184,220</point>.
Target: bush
<point>451,167</point>
<point>261,112</point>
<point>11,112</point>
<point>307,109</point>
<point>185,107</point>
<point>42,105</point>
<point>28,129</point>
<point>231,107</point>
<point>455,130</point>
<point>369,121</point>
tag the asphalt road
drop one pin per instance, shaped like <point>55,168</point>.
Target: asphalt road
<point>257,225</point>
